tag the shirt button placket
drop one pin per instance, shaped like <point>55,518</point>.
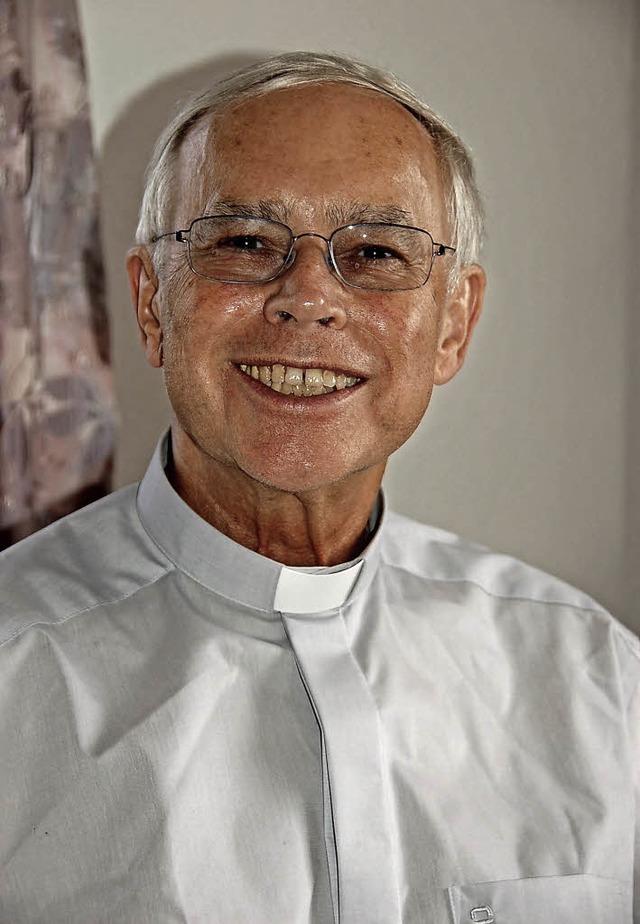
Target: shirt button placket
<point>346,710</point>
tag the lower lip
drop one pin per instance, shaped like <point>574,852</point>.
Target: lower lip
<point>300,403</point>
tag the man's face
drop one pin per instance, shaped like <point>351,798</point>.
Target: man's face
<point>314,158</point>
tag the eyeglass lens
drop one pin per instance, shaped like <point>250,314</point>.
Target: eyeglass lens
<point>369,256</point>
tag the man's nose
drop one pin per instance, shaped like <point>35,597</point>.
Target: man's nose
<point>309,292</point>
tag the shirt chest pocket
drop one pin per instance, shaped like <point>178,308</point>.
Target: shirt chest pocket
<point>542,900</point>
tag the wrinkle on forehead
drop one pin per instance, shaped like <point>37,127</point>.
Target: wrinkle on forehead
<point>338,212</point>
<point>378,132</point>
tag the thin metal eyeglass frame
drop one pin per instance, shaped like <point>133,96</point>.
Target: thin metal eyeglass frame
<point>438,250</point>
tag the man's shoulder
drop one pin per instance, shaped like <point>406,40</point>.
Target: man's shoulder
<point>96,555</point>
<point>435,555</point>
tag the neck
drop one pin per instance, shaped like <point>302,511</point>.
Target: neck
<point>325,525</point>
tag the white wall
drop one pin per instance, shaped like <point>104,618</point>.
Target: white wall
<point>534,449</point>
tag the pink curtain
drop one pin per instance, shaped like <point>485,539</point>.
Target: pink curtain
<point>57,418</point>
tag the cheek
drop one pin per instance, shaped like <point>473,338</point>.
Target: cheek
<point>203,322</point>
<point>188,367</point>
<point>407,335</point>
<point>197,320</point>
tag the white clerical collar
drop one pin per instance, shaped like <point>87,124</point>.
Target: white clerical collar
<point>313,590</point>
<point>303,591</point>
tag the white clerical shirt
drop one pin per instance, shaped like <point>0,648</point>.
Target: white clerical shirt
<point>191,733</point>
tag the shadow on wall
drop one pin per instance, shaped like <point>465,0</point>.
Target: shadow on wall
<point>126,149</point>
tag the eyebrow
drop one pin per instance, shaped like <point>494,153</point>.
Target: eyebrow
<point>359,212</point>
<point>272,209</point>
<point>344,213</point>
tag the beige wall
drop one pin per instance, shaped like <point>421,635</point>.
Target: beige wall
<point>535,448</point>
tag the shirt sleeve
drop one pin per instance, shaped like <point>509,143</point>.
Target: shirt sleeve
<point>634,735</point>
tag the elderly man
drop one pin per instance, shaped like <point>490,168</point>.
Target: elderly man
<point>245,692</point>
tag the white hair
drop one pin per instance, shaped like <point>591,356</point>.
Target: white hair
<point>463,201</point>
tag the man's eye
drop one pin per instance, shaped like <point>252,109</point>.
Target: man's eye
<point>246,242</point>
<point>377,252</point>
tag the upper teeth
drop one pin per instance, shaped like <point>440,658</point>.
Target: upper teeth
<point>290,380</point>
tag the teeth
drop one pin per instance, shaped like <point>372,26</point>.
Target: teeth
<point>303,383</point>
<point>293,376</point>
<point>313,377</point>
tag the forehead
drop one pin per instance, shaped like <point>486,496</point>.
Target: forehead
<point>313,149</point>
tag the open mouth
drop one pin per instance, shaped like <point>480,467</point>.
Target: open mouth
<point>302,383</point>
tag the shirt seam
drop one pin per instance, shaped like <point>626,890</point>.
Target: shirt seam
<point>621,632</point>
<point>85,609</point>
<point>596,609</point>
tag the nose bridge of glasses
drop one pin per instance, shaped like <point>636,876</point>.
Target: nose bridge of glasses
<point>327,252</point>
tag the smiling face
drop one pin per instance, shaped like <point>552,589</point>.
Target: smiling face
<point>315,158</point>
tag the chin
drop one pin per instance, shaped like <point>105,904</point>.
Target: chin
<point>295,482</point>
<point>298,478</point>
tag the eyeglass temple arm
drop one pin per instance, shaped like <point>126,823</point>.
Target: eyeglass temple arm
<point>439,250</point>
<point>177,235</point>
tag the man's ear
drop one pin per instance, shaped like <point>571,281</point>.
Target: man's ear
<point>459,318</point>
<point>144,288</point>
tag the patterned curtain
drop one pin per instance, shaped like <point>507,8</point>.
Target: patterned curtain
<point>57,419</point>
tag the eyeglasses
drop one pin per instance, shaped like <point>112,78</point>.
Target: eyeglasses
<point>369,255</point>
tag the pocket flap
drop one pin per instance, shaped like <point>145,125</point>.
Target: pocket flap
<point>570,899</point>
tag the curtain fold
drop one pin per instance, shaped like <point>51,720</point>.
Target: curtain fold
<point>57,418</point>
